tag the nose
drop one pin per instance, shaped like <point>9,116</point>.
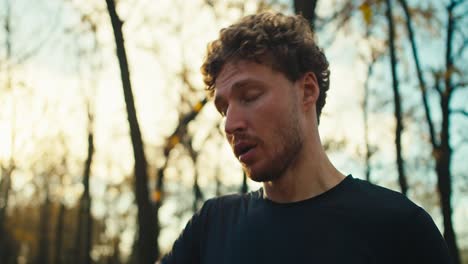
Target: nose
<point>235,120</point>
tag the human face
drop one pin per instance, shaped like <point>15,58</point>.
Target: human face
<point>261,110</point>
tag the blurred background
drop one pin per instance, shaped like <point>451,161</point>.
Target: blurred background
<point>108,144</point>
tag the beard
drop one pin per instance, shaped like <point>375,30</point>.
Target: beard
<point>286,142</point>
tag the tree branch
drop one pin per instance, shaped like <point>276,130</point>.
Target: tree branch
<point>459,111</point>
<point>454,3</point>
<point>343,13</point>
<point>437,77</point>
<point>422,81</point>
<point>460,85</point>
<point>461,49</point>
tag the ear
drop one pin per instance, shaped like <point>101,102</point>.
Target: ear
<point>311,91</point>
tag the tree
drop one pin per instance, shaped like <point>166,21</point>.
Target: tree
<point>369,148</point>
<point>84,239</point>
<point>147,246</point>
<point>444,85</point>
<point>60,222</point>
<point>85,221</point>
<point>306,8</point>
<point>43,230</point>
<point>6,171</point>
<point>446,82</point>
<point>396,100</point>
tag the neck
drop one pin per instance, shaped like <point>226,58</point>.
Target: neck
<point>309,175</point>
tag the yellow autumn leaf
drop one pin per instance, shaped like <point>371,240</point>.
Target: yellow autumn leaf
<point>174,140</point>
<point>366,11</point>
<point>198,107</point>
<point>156,196</point>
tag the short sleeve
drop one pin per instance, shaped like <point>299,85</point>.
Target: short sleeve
<point>423,242</point>
<point>186,248</point>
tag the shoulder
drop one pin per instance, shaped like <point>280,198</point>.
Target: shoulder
<point>377,207</point>
<point>229,204</point>
<point>380,199</point>
<point>408,227</point>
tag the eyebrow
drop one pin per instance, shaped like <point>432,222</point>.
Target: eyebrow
<point>246,82</point>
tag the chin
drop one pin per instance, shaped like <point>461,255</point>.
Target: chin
<point>257,175</point>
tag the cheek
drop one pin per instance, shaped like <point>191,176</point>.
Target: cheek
<point>269,116</point>
<point>270,108</point>
<point>268,124</point>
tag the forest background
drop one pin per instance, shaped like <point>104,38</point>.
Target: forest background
<point>108,144</point>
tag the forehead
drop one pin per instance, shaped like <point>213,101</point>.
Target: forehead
<point>228,73</point>
<point>234,73</point>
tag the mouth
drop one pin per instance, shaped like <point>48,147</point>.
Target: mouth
<point>241,148</point>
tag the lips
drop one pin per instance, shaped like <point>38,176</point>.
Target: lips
<point>242,147</point>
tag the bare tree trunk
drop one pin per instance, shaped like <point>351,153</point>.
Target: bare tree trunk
<point>115,258</point>
<point>85,221</point>
<point>5,186</point>
<point>443,159</point>
<point>365,111</point>
<point>244,187</point>
<point>43,254</point>
<point>422,82</point>
<point>78,236</point>
<point>397,101</point>
<point>148,249</point>
<point>442,151</point>
<point>443,155</point>
<point>7,171</point>
<point>58,234</point>
<point>5,182</point>
<point>218,181</point>
<point>307,9</point>
<point>86,216</point>
<point>158,197</point>
<point>197,193</point>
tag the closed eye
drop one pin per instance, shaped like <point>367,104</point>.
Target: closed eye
<point>250,97</point>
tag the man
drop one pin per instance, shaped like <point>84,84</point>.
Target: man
<point>269,81</point>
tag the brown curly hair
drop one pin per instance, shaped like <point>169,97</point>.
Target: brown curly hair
<point>285,43</point>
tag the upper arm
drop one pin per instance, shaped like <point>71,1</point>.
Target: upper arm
<point>186,248</point>
<point>423,242</point>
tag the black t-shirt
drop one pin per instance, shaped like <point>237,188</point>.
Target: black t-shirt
<point>354,222</point>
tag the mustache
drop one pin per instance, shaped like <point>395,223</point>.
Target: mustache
<point>235,137</point>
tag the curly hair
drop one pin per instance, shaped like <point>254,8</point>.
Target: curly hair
<point>285,43</point>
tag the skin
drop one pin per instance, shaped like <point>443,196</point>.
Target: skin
<point>271,124</point>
